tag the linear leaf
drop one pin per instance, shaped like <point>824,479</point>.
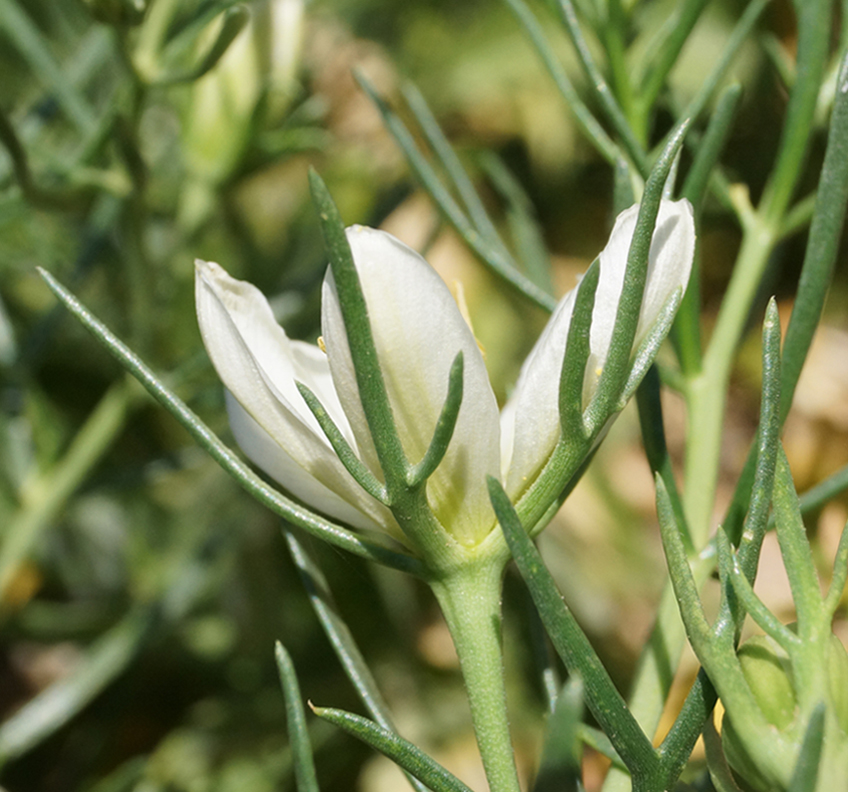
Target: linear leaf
<point>572,645</point>
<point>340,636</point>
<point>822,242</point>
<point>304,764</point>
<point>560,765</point>
<point>402,752</point>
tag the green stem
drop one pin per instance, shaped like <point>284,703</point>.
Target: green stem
<point>470,598</point>
<point>707,392</point>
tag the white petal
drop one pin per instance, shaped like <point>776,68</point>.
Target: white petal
<point>530,420</point>
<point>669,266</point>
<point>269,456</point>
<point>418,331</point>
<point>259,364</point>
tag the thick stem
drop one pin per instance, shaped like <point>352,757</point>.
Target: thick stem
<point>470,598</point>
<point>707,392</point>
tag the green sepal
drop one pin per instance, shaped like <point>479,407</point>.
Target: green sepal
<point>443,432</point>
<point>577,348</point>
<point>353,464</point>
<point>648,349</point>
<point>301,748</point>
<point>363,352</point>
<point>402,752</point>
<point>618,362</point>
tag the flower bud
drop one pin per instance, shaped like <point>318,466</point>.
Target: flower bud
<point>768,672</point>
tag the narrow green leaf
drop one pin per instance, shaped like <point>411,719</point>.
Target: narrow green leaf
<point>822,243</point>
<point>601,88</point>
<point>653,439</point>
<point>731,570</point>
<point>319,527</point>
<point>560,768</point>
<point>598,741</point>
<point>814,28</point>
<point>795,547</point>
<point>618,363</point>
<point>444,427</point>
<point>682,579</point>
<point>806,771</point>
<point>677,746</point>
<point>582,115</point>
<point>453,167</point>
<point>572,645</point>
<point>544,661</point>
<point>711,145</point>
<point>402,752</point>
<point>815,497</point>
<point>340,638</point>
<point>840,575</point>
<point>337,631</point>
<point>353,464</point>
<point>573,371</point>
<point>494,259</point>
<point>648,349</point>
<point>57,704</point>
<point>768,442</point>
<point>304,765</point>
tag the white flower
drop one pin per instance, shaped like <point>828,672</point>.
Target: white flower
<point>418,331</point>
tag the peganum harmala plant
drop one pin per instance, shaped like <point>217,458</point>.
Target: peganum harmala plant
<point>389,426</point>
